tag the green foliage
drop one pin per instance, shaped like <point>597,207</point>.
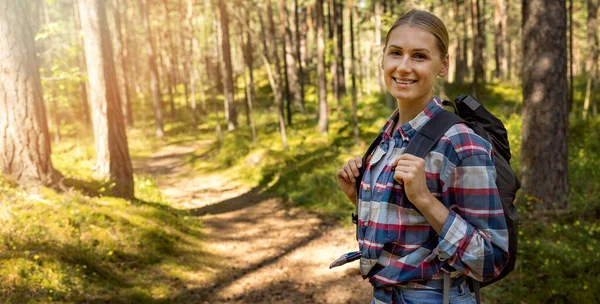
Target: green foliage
<point>70,247</point>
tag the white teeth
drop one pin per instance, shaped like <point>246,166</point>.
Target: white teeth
<point>403,81</point>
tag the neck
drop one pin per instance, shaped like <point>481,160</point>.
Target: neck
<point>407,110</point>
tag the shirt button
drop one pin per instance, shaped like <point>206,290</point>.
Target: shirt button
<point>365,187</point>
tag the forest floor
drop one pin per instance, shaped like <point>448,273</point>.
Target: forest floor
<point>267,252</point>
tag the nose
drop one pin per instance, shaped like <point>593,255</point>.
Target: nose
<point>404,65</point>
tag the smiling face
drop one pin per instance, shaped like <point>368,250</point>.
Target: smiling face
<point>411,63</point>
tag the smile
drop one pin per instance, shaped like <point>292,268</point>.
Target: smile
<point>404,82</point>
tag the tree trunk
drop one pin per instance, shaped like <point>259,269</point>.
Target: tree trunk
<point>592,58</point>
<point>83,95</point>
<point>249,75</point>
<point>154,77</point>
<point>353,72</point>
<point>477,19</point>
<point>500,33</point>
<point>322,84</point>
<point>121,62</point>
<point>291,67</point>
<point>24,137</point>
<point>274,74</point>
<point>339,50</point>
<point>544,155</point>
<point>112,154</point>
<point>170,61</point>
<point>298,46</point>
<point>192,62</point>
<point>230,111</point>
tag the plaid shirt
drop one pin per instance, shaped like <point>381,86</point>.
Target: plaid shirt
<point>397,245</point>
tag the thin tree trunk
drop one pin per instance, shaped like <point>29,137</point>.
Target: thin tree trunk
<point>112,153</point>
<point>292,73</point>
<point>571,76</point>
<point>154,76</point>
<point>170,61</point>
<point>544,152</point>
<point>273,73</point>
<point>83,89</point>
<point>298,45</point>
<point>322,86</point>
<point>192,67</point>
<point>24,138</point>
<point>339,33</point>
<point>353,72</point>
<point>249,74</point>
<point>592,58</point>
<point>230,111</point>
<point>477,19</point>
<point>500,33</point>
<point>121,61</point>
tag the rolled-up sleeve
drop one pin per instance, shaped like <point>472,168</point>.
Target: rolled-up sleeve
<point>474,238</point>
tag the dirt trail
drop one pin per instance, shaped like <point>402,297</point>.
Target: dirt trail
<point>269,253</point>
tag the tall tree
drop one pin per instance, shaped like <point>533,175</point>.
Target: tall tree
<point>83,95</point>
<point>274,73</point>
<point>298,46</point>
<point>500,33</point>
<point>353,73</point>
<point>170,60</point>
<point>477,22</point>
<point>290,58</point>
<point>249,73</point>
<point>230,111</point>
<point>544,154</point>
<point>112,152</point>
<point>122,62</point>
<point>592,58</point>
<point>322,86</point>
<point>154,76</point>
<point>24,137</point>
<point>338,50</point>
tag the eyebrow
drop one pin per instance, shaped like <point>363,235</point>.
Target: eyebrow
<point>414,50</point>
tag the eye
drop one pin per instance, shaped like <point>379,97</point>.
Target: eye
<point>395,53</point>
<point>420,56</point>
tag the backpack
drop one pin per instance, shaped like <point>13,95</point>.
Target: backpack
<point>472,113</point>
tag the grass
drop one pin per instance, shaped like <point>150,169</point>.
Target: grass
<point>83,246</point>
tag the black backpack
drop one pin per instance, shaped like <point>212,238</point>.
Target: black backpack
<point>470,112</point>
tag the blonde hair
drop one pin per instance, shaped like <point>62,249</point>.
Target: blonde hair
<point>428,22</point>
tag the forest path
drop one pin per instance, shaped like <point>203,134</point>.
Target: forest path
<point>266,252</point>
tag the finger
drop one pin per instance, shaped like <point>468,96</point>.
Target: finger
<point>354,167</point>
<point>358,160</point>
<point>342,173</point>
<point>349,172</point>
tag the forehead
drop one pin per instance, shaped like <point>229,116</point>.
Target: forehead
<point>412,37</point>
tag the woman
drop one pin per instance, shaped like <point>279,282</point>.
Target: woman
<point>452,222</point>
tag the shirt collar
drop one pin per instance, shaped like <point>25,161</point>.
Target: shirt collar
<point>408,129</point>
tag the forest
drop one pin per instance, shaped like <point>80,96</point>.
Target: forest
<point>185,151</point>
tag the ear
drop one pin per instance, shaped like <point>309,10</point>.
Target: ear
<point>445,65</point>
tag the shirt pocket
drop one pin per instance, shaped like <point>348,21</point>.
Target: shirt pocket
<point>407,226</point>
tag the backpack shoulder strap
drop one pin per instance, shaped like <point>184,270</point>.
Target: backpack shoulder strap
<point>431,132</point>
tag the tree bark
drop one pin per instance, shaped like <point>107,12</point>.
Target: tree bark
<point>298,45</point>
<point>249,74</point>
<point>112,154</point>
<point>154,76</point>
<point>544,153</point>
<point>291,67</point>
<point>121,61</point>
<point>339,50</point>
<point>592,58</point>
<point>170,60</point>
<point>322,84</point>
<point>83,89</point>
<point>230,111</point>
<point>353,73</point>
<point>24,137</point>
<point>477,19</point>
<point>274,73</point>
<point>500,33</point>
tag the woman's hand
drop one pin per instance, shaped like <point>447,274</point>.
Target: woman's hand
<point>347,177</point>
<point>410,172</point>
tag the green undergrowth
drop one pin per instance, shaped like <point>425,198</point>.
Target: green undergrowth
<point>78,245</point>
